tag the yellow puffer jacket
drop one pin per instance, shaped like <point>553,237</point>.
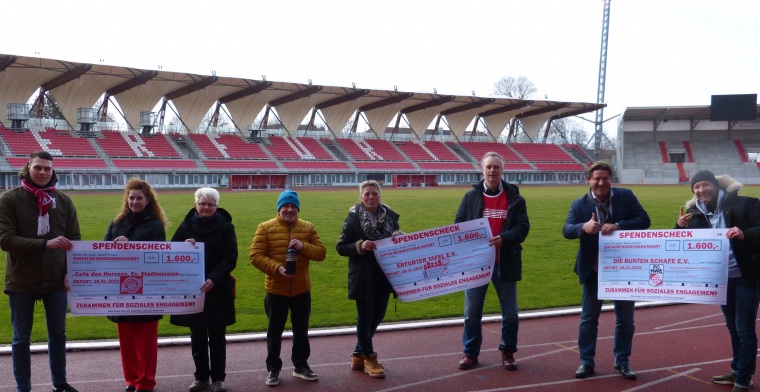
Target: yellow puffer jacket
<point>268,253</point>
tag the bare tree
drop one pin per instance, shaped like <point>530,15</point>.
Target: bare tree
<point>349,125</point>
<point>567,130</point>
<point>175,124</point>
<point>109,115</point>
<point>272,122</point>
<point>222,121</point>
<point>609,143</point>
<point>45,106</point>
<point>519,88</point>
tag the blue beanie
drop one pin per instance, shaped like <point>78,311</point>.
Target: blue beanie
<point>288,197</point>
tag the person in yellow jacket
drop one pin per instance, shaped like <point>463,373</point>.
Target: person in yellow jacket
<point>286,291</point>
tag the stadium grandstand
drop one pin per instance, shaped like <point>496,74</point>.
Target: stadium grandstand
<point>105,124</point>
<point>666,145</point>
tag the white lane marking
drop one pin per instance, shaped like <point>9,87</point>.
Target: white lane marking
<point>688,321</point>
<point>662,380</point>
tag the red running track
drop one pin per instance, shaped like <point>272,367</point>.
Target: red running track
<point>676,348</point>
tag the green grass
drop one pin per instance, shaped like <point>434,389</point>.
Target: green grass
<point>548,278</point>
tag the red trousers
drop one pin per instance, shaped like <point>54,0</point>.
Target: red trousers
<point>138,344</point>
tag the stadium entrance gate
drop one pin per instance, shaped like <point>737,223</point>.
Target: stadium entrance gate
<point>415,181</point>
<point>257,181</point>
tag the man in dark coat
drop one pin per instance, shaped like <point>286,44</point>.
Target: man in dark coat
<point>604,210</point>
<point>717,205</point>
<point>507,214</point>
<point>37,225</point>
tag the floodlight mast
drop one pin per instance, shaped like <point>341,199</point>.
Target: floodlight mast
<point>599,121</point>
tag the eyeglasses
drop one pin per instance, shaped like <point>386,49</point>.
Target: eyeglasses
<point>205,205</point>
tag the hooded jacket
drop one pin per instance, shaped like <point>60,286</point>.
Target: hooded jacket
<point>513,232</point>
<point>738,211</point>
<point>220,255</point>
<point>30,267</point>
<point>270,243</point>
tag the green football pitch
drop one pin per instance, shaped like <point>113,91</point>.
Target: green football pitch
<point>548,258</point>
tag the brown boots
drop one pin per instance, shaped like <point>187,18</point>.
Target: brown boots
<point>373,367</point>
<point>369,364</point>
<point>357,361</point>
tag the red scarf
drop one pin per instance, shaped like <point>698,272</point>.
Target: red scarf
<point>44,203</point>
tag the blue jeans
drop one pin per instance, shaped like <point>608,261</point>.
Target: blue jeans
<point>591,307</point>
<point>740,312</point>
<point>474,299</point>
<point>22,315</point>
<point>370,311</point>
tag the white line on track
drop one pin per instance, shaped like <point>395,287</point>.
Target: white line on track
<point>662,380</point>
<point>693,366</point>
<point>688,321</point>
<point>468,372</point>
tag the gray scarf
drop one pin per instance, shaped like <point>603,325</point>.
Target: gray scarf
<point>375,226</point>
<point>605,216</point>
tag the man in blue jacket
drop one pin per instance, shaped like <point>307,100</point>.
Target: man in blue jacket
<point>603,209</point>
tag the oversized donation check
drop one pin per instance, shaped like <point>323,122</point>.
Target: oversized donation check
<point>689,265</point>
<point>438,261</point>
<point>135,277</point>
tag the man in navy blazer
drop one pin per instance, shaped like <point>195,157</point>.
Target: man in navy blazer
<point>603,209</point>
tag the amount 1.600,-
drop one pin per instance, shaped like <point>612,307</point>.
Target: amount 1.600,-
<point>469,236</point>
<point>702,245</point>
<point>180,258</point>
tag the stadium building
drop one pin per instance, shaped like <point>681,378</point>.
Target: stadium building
<point>105,124</point>
<point>666,145</point>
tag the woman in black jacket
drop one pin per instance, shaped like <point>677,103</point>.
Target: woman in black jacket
<point>140,219</point>
<point>211,225</point>
<point>367,222</point>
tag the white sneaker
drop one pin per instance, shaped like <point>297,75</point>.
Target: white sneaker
<point>197,385</point>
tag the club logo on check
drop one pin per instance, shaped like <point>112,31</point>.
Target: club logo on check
<point>656,271</point>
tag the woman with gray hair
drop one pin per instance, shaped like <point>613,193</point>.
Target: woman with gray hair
<point>212,225</point>
<point>367,221</point>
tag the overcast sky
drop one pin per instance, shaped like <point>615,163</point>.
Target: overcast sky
<point>661,52</point>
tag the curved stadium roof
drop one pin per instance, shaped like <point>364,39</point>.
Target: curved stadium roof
<point>75,85</point>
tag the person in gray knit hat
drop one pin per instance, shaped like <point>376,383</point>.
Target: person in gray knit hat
<point>716,204</point>
<point>703,175</point>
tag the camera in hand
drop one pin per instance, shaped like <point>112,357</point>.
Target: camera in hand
<point>290,261</point>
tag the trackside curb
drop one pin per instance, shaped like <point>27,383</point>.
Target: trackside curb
<point>247,337</point>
